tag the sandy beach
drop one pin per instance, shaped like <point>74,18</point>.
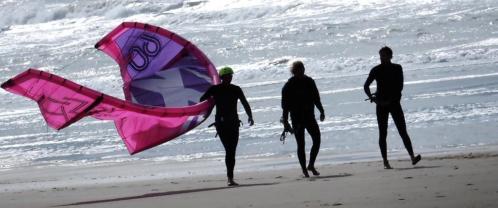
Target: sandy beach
<point>456,180</point>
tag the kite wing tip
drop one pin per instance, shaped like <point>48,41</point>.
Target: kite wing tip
<point>97,45</point>
<point>7,84</point>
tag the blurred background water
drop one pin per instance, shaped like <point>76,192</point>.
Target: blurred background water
<point>448,50</point>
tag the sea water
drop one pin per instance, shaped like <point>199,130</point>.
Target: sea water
<point>448,50</point>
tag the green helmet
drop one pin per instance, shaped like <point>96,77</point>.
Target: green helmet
<point>225,71</point>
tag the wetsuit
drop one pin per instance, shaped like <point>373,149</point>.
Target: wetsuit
<point>389,78</point>
<point>226,119</point>
<point>299,98</point>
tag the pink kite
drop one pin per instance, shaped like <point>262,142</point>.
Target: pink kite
<point>164,76</point>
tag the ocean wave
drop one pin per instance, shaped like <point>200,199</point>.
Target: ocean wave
<point>461,92</point>
<point>41,11</point>
<point>447,48</point>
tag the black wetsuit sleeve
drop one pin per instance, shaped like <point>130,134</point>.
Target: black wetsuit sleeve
<point>401,79</point>
<point>285,102</point>
<point>207,94</point>
<point>316,97</point>
<point>366,86</point>
<point>244,102</point>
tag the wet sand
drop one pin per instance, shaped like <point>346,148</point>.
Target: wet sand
<point>459,180</point>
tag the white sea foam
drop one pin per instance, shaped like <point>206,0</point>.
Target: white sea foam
<point>448,50</point>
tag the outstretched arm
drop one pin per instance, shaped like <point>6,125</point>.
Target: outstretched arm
<point>247,107</point>
<point>207,94</point>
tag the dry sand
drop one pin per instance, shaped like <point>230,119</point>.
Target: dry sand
<point>462,180</point>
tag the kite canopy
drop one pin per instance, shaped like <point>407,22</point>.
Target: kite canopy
<point>164,76</point>
<point>158,67</point>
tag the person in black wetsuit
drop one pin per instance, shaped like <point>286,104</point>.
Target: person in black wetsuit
<point>227,121</point>
<point>299,98</point>
<point>389,78</point>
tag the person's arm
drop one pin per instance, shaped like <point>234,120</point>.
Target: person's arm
<point>366,87</point>
<point>399,83</point>
<point>285,115</point>
<point>247,107</point>
<point>317,101</point>
<point>285,104</point>
<point>401,79</point>
<point>207,94</point>
<point>285,109</point>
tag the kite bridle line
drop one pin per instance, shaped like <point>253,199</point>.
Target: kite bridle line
<point>86,53</point>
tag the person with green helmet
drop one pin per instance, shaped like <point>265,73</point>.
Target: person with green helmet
<point>227,123</point>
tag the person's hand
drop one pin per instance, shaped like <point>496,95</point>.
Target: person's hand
<point>372,99</point>
<point>287,127</point>
<point>322,116</point>
<point>250,121</point>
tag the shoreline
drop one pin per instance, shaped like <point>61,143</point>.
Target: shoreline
<point>136,171</point>
<point>441,180</point>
